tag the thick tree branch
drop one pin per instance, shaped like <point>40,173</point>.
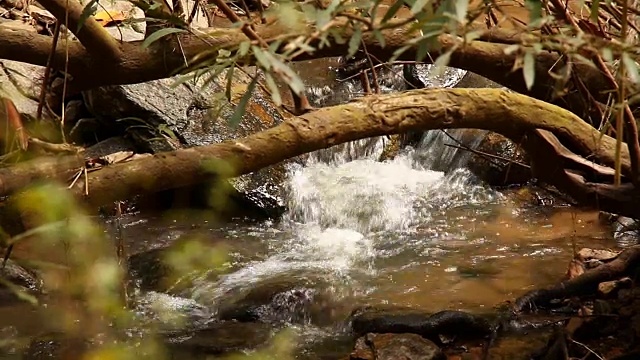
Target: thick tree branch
<point>165,58</point>
<point>511,114</point>
<point>92,35</point>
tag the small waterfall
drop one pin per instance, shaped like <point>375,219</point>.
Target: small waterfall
<point>347,210</point>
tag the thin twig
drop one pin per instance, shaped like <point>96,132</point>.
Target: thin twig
<point>47,70</point>
<point>374,76</point>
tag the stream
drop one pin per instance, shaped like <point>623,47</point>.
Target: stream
<point>419,230</point>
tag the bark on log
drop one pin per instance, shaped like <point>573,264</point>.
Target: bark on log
<point>513,115</point>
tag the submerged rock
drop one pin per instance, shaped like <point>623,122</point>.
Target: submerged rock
<point>395,346</point>
<point>21,279</point>
<point>219,338</point>
<point>280,300</point>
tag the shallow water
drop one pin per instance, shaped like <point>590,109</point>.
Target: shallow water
<point>363,232</point>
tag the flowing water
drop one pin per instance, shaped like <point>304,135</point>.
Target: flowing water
<point>418,230</point>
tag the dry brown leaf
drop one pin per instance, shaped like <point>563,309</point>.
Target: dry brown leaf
<point>14,130</point>
<point>107,18</point>
<point>576,268</point>
<point>587,254</point>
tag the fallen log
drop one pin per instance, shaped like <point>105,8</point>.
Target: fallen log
<point>513,115</point>
<point>625,264</point>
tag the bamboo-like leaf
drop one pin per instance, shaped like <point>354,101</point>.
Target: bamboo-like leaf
<point>243,48</point>
<point>535,10</point>
<point>159,34</point>
<point>392,11</point>
<point>242,105</point>
<point>529,69</point>
<point>631,66</point>
<point>354,42</point>
<point>595,9</point>
<point>275,92</point>
<point>462,6</point>
<point>88,10</point>
<point>418,6</point>
<point>379,37</point>
<point>442,61</point>
<point>607,54</point>
<point>263,59</point>
<point>229,82</point>
<point>422,50</point>
<point>288,75</point>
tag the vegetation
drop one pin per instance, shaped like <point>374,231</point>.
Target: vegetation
<point>571,69</point>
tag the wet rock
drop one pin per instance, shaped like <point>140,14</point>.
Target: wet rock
<point>280,300</point>
<point>23,280</point>
<point>456,325</point>
<point>395,346</point>
<point>472,81</point>
<point>55,346</point>
<point>219,338</point>
<point>162,117</point>
<point>513,170</point>
<point>19,82</point>
<point>150,271</point>
<point>171,313</point>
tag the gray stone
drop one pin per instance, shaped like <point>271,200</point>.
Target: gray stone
<point>20,82</point>
<point>169,117</point>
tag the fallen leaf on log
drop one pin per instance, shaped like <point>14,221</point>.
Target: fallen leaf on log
<point>109,18</point>
<point>576,268</point>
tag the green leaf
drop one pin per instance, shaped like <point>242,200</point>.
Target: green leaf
<point>379,37</point>
<point>607,54</point>
<point>159,34</point>
<point>595,8</point>
<point>631,67</point>
<point>88,10</point>
<point>227,92</point>
<point>442,61</point>
<point>418,6</point>
<point>261,56</point>
<point>275,92</point>
<point>392,11</point>
<point>354,42</point>
<point>399,52</point>
<point>462,6</point>
<point>336,35</point>
<point>243,48</point>
<point>288,75</point>
<point>535,10</point>
<point>234,121</point>
<point>423,49</point>
<point>529,69</point>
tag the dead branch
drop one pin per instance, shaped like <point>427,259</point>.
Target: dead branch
<point>625,264</point>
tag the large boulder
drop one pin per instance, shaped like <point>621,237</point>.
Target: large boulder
<point>395,346</point>
<point>160,116</point>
